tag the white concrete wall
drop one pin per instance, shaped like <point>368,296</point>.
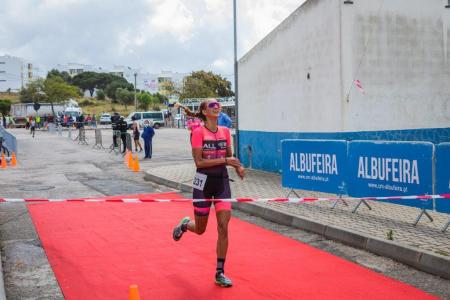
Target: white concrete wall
<point>274,92</point>
<point>406,69</point>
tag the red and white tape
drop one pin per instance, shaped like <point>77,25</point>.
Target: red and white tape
<point>264,200</point>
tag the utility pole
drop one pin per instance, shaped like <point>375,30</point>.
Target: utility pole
<point>236,97</point>
<point>135,99</point>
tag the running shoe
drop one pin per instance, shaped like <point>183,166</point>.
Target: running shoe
<point>223,280</point>
<point>178,230</point>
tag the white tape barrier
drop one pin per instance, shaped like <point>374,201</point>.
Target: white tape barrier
<point>285,200</point>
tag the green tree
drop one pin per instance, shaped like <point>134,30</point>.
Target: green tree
<point>54,89</point>
<point>145,100</point>
<point>111,88</point>
<point>33,92</point>
<point>86,81</point>
<point>160,98</point>
<point>100,94</point>
<point>57,90</point>
<point>125,97</point>
<point>5,106</point>
<point>64,75</point>
<point>89,81</point>
<point>201,84</point>
<point>103,79</point>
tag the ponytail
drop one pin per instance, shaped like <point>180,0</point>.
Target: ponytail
<point>198,114</point>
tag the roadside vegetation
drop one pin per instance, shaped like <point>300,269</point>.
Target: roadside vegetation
<point>111,93</point>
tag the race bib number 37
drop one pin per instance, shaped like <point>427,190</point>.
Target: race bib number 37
<point>199,181</point>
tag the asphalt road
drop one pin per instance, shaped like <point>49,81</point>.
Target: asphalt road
<point>52,166</point>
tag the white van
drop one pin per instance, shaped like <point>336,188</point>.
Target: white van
<point>73,112</point>
<point>154,117</point>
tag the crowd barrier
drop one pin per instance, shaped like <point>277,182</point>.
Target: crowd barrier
<point>98,140</point>
<point>116,145</point>
<point>9,142</point>
<point>81,137</point>
<point>116,136</point>
<point>368,169</point>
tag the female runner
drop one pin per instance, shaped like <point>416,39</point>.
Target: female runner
<point>211,149</point>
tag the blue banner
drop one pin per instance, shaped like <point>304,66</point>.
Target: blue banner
<point>443,176</point>
<point>314,165</point>
<point>378,169</point>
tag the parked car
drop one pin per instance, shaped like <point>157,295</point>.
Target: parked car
<point>105,119</point>
<point>154,117</point>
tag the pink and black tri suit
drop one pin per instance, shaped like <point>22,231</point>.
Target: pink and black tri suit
<point>217,186</point>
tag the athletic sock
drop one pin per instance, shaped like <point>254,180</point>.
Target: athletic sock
<point>220,265</point>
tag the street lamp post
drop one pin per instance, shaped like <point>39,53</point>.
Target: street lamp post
<point>236,96</point>
<point>135,100</point>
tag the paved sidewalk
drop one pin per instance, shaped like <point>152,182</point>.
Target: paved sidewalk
<point>426,237</point>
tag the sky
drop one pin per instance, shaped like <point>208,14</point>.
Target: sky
<point>152,35</point>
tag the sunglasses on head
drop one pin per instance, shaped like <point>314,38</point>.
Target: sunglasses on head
<point>214,104</point>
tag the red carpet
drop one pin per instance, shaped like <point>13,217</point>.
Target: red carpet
<point>98,249</point>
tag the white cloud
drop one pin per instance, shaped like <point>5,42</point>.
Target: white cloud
<point>172,17</point>
<point>178,35</point>
<point>259,20</point>
<point>221,64</point>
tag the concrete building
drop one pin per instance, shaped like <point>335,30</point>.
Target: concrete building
<point>151,82</point>
<point>16,72</point>
<point>127,73</point>
<point>301,81</point>
<point>155,83</point>
<point>75,68</point>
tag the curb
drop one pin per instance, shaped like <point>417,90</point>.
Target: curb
<point>420,259</point>
<point>2,283</point>
<point>172,184</point>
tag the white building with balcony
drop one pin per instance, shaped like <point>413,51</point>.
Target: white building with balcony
<point>75,68</point>
<point>16,72</point>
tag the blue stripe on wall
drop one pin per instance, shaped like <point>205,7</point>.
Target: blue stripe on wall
<point>266,146</point>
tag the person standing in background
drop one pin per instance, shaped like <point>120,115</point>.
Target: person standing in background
<point>123,127</point>
<point>147,135</point>
<point>224,120</point>
<point>136,134</point>
<point>115,118</point>
<point>38,122</point>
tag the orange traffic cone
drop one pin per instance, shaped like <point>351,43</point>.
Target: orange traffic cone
<point>130,163</point>
<point>3,165</point>
<point>134,293</point>
<point>136,164</point>
<point>13,160</point>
